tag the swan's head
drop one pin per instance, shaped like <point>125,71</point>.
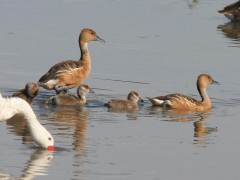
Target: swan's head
<point>42,138</point>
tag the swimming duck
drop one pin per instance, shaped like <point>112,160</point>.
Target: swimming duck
<point>183,102</point>
<point>232,11</point>
<point>130,103</point>
<point>70,99</point>
<point>17,106</point>
<point>71,73</point>
<point>29,93</point>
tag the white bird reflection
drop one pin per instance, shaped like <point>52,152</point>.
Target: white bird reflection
<point>37,165</point>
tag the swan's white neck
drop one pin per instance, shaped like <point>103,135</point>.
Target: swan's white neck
<point>12,106</point>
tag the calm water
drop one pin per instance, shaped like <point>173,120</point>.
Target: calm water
<point>153,47</point>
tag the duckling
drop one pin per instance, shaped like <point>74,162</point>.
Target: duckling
<point>232,11</point>
<point>29,93</point>
<point>183,102</point>
<point>69,74</point>
<point>70,99</point>
<point>130,103</point>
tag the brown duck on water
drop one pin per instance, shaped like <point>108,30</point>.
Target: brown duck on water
<point>183,102</point>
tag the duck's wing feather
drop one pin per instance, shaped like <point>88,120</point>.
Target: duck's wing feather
<point>65,67</point>
<point>171,98</point>
<point>229,7</point>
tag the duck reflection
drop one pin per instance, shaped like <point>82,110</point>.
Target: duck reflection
<point>175,115</point>
<point>39,161</point>
<point>192,4</point>
<point>201,133</point>
<point>66,118</point>
<point>231,30</point>
<point>76,117</point>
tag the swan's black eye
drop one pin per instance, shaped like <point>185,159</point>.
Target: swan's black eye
<point>49,139</point>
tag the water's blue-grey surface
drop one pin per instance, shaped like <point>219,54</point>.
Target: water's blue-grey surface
<point>153,47</point>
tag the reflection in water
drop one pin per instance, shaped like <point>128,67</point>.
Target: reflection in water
<point>67,117</point>
<point>192,4</point>
<point>36,166</point>
<point>201,132</point>
<point>131,113</point>
<point>18,125</point>
<point>119,110</point>
<point>76,117</point>
<point>231,30</point>
<point>175,115</point>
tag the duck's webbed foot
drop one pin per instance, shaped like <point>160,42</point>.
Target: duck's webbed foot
<point>61,90</point>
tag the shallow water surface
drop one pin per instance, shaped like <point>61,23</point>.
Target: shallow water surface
<point>153,47</point>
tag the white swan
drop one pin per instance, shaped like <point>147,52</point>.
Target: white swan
<point>12,106</point>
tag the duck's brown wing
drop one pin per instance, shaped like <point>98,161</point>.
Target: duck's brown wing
<point>177,96</point>
<point>59,68</point>
<point>229,7</point>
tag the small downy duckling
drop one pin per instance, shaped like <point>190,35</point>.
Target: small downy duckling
<point>232,11</point>
<point>183,102</point>
<point>130,103</point>
<point>28,93</point>
<point>68,74</point>
<point>70,99</point>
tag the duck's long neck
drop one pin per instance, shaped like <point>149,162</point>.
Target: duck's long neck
<point>85,56</point>
<point>203,93</point>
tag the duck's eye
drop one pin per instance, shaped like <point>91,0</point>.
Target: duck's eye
<point>49,139</point>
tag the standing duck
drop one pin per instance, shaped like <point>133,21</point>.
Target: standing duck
<point>130,103</point>
<point>183,102</point>
<point>29,93</point>
<point>71,73</point>
<point>70,99</point>
<point>232,11</point>
<point>10,107</point>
